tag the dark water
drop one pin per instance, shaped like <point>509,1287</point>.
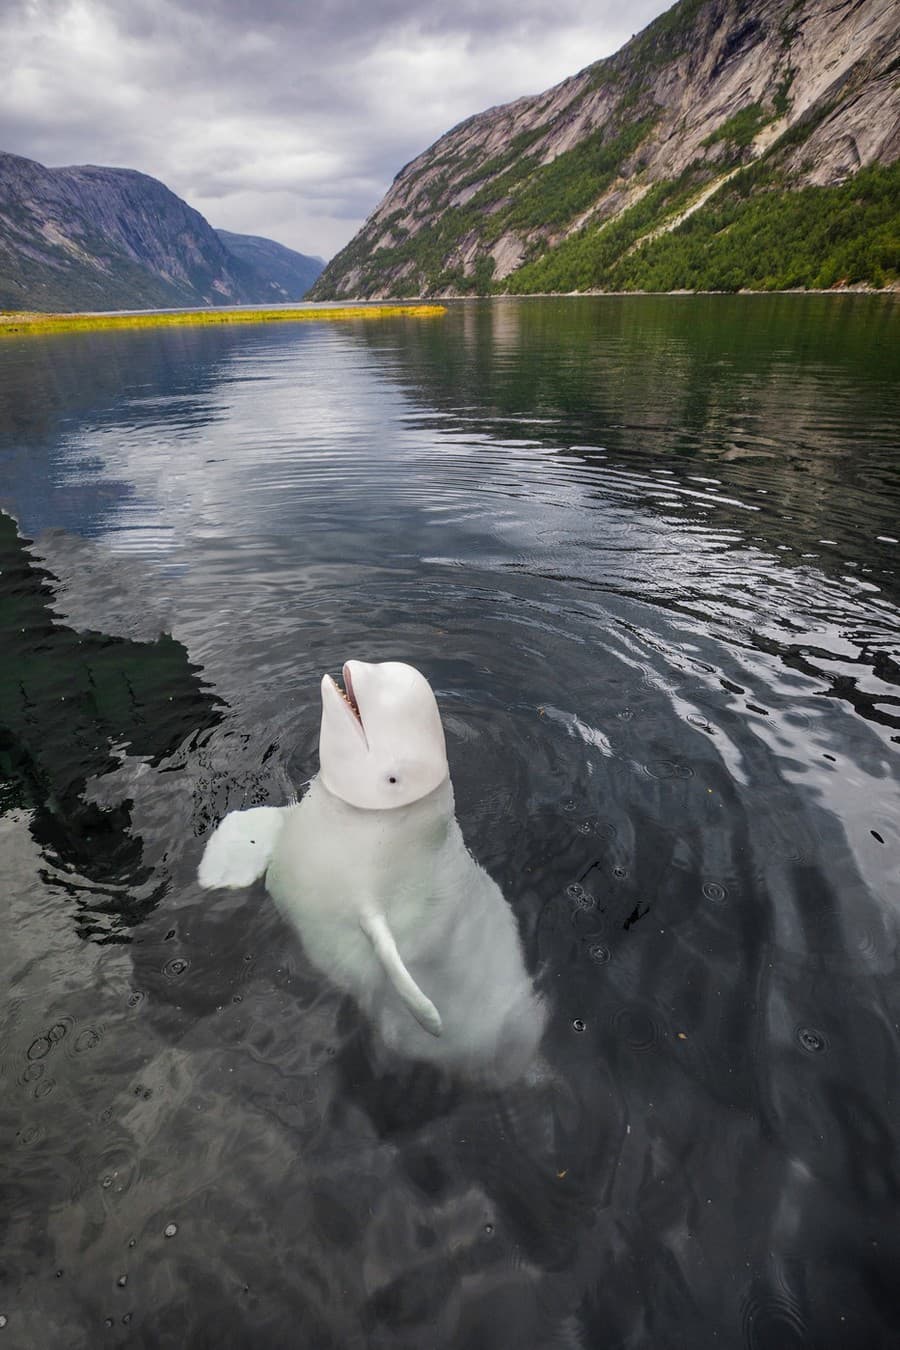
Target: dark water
<point>647,552</point>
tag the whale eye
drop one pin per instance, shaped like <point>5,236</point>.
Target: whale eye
<point>392,779</point>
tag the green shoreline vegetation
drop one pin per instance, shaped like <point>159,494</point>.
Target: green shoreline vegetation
<point>753,234</point>
<point>16,324</point>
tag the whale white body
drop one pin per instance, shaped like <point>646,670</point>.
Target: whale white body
<point>387,900</point>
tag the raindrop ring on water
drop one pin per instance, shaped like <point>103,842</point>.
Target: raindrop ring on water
<point>582,898</point>
<point>772,1318</point>
<point>811,1041</point>
<point>637,1029</point>
<point>87,1039</point>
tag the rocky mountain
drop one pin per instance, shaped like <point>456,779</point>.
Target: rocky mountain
<point>290,274</point>
<point>731,143</point>
<point>90,238</point>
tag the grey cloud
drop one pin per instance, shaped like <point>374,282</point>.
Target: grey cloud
<point>348,23</point>
<point>275,117</point>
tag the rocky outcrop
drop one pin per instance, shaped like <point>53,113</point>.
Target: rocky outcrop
<point>91,238</point>
<point>811,86</point>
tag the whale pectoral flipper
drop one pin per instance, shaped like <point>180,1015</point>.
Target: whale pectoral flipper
<point>240,848</point>
<point>375,927</point>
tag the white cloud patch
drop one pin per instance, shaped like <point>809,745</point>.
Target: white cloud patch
<point>274,117</point>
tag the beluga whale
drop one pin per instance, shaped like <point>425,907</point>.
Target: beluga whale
<point>371,869</point>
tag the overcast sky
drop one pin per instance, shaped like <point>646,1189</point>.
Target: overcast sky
<point>285,118</point>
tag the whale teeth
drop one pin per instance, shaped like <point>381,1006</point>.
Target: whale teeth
<point>348,700</point>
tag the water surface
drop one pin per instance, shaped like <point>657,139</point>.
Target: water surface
<point>646,550</point>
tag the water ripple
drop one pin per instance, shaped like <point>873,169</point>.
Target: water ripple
<point>646,553</point>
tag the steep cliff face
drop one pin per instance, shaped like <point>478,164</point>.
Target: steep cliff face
<point>289,274</point>
<point>635,145</point>
<point>98,238</point>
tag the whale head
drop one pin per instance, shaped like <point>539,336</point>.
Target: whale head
<point>381,743</point>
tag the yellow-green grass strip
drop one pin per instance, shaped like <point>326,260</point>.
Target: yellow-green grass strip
<point>16,324</point>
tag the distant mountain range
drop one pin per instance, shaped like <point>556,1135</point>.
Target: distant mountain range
<point>293,272</point>
<point>732,143</point>
<point>90,238</point>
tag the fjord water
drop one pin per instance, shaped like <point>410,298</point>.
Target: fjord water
<point>646,550</point>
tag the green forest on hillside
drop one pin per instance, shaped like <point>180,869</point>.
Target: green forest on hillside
<point>752,234</point>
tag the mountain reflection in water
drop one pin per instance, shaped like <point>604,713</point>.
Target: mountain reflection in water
<point>646,552</point>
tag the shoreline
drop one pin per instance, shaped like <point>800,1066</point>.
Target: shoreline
<point>19,323</point>
<point>893,288</point>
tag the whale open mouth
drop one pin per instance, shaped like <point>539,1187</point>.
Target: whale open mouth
<point>347,693</point>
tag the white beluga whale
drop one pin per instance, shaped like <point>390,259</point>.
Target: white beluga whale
<point>372,870</point>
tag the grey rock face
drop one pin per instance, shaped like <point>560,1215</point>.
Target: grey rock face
<point>91,238</point>
<point>824,70</point>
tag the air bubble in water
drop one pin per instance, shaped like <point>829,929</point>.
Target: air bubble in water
<point>579,1024</point>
